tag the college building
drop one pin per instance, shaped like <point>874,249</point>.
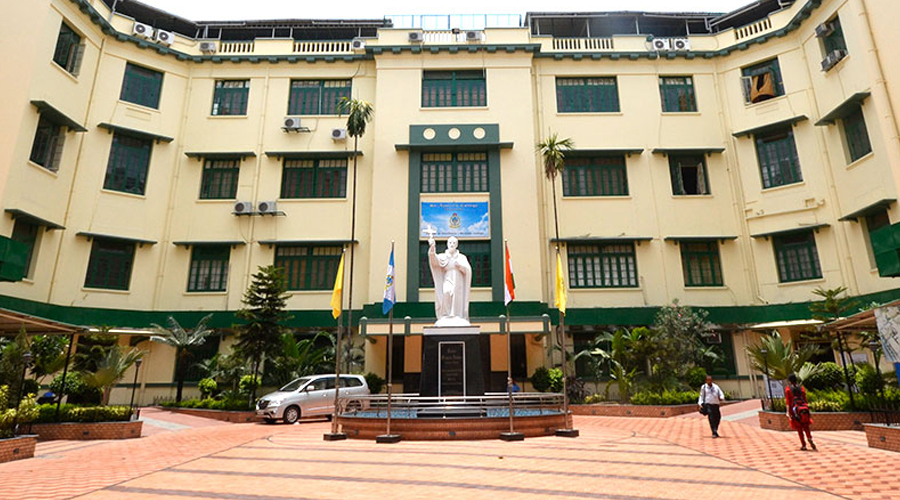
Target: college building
<point>734,162</point>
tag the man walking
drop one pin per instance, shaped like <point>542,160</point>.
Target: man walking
<point>710,397</point>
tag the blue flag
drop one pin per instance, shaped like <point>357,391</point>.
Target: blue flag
<point>390,295</point>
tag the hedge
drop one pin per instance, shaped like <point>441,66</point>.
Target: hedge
<point>76,413</point>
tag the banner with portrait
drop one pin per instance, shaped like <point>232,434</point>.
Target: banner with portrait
<point>460,219</point>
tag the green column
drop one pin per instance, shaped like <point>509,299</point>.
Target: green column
<point>412,236</point>
<point>496,207</point>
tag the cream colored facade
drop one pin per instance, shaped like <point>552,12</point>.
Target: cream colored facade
<point>521,71</point>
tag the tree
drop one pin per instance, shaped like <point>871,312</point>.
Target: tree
<point>678,343</point>
<point>181,340</point>
<point>298,358</point>
<point>264,311</point>
<point>553,156</point>
<point>831,307</point>
<point>49,354</point>
<point>111,368</point>
<point>780,359</point>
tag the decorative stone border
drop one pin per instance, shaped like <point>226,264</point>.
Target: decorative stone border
<point>645,411</point>
<point>426,429</point>
<point>17,448</point>
<point>236,417</point>
<point>822,421</point>
<point>885,437</point>
<point>88,430</point>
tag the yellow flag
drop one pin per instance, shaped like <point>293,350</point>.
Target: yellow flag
<point>560,286</point>
<point>337,295</point>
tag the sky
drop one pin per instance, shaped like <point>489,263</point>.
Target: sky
<point>208,10</point>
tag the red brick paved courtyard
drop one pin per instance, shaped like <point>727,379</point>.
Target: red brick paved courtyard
<point>615,458</point>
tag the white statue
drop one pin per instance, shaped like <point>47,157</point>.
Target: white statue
<point>452,275</point>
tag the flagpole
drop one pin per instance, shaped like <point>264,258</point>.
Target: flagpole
<point>388,437</point>
<point>568,431</point>
<point>334,435</point>
<point>512,435</point>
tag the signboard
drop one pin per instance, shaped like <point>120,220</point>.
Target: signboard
<point>460,219</point>
<point>451,369</point>
<point>888,320</point>
<point>776,387</point>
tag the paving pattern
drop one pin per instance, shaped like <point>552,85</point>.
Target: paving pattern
<point>615,458</point>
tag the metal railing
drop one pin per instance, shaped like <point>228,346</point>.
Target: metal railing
<point>491,405</point>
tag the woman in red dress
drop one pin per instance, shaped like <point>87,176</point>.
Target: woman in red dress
<point>798,411</point>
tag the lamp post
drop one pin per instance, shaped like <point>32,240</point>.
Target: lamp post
<point>765,355</point>
<point>26,360</point>
<point>137,368</point>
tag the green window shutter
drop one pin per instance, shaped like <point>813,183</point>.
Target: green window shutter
<point>587,95</point>
<point>677,93</point>
<point>317,97</point>
<point>689,175</point>
<point>700,263</point>
<point>230,97</point>
<point>611,265</point>
<point>477,252</point>
<point>141,86</point>
<point>454,173</point>
<point>209,268</point>
<point>46,150</point>
<point>68,46</point>
<point>309,267</point>
<point>797,257</point>
<point>453,89</point>
<point>220,179</point>
<point>595,176</point>
<point>835,41</point>
<point>857,136</point>
<point>779,164</point>
<point>129,161</point>
<point>110,265</point>
<point>314,179</point>
<point>27,234</point>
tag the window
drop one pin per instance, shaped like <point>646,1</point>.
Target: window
<point>69,49</point>
<point>875,221</point>
<point>856,135</point>
<point>608,265</point>
<point>700,263</point>
<point>317,97</point>
<point>454,173</point>
<point>194,356</point>
<point>314,179</point>
<point>309,267</point>
<point>689,176</point>
<point>587,95</point>
<point>27,233</point>
<point>141,86</point>
<point>778,161</point>
<point>47,148</point>
<point>220,179</point>
<point>478,253</point>
<point>595,176</point>
<point>129,160</point>
<point>762,81</point>
<point>230,97</point>
<point>677,93</point>
<point>209,268</point>
<point>834,41</point>
<point>797,257</point>
<point>441,89</point>
<point>110,264</point>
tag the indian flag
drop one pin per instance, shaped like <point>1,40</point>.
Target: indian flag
<point>509,283</point>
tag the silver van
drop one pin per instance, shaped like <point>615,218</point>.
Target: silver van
<point>309,396</point>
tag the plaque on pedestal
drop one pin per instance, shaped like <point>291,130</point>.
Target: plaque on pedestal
<point>451,362</point>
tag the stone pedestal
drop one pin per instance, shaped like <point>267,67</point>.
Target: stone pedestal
<point>451,362</point>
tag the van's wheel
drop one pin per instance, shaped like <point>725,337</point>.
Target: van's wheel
<point>291,415</point>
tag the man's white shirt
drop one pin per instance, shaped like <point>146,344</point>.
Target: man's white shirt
<point>710,394</point>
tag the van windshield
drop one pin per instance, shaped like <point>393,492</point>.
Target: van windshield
<point>297,384</point>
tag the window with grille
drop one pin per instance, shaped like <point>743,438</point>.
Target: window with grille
<point>141,86</point>
<point>220,179</point>
<point>110,264</point>
<point>309,267</point>
<point>478,253</point>
<point>856,135</point>
<point>27,233</point>
<point>611,265</point>
<point>47,148</point>
<point>314,179</point>
<point>129,161</point>
<point>454,173</point>
<point>230,97</point>
<point>762,81</point>
<point>595,176</point>
<point>69,49</point>
<point>689,175</point>
<point>587,95</point>
<point>700,263</point>
<point>778,161</point>
<point>209,268</point>
<point>834,41</point>
<point>797,257</point>
<point>677,94</point>
<point>441,89</point>
<point>317,97</point>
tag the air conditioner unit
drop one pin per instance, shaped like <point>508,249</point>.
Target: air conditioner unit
<point>661,44</point>
<point>833,58</point>
<point>243,208</point>
<point>338,134</point>
<point>416,37</point>
<point>358,45</point>
<point>143,30</point>
<point>474,36</point>
<point>164,37</point>
<point>267,208</point>
<point>291,123</point>
<point>824,30</point>
<point>681,44</point>
<point>209,47</point>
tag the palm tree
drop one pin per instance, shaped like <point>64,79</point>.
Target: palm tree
<point>111,368</point>
<point>553,154</point>
<point>780,359</point>
<point>182,340</point>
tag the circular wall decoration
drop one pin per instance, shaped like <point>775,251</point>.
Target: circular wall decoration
<point>453,133</point>
<point>479,133</point>
<point>428,134</point>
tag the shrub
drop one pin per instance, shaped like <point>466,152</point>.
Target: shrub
<point>829,376</point>
<point>208,387</point>
<point>249,383</point>
<point>594,398</point>
<point>868,380</point>
<point>75,413</point>
<point>374,382</point>
<point>77,389</point>
<point>226,404</point>
<point>666,397</point>
<point>540,380</point>
<point>26,412</point>
<point>695,377</point>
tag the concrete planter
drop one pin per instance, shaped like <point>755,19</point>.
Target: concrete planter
<point>836,421</point>
<point>237,417</point>
<point>88,430</point>
<point>885,437</point>
<point>17,448</point>
<point>626,410</point>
